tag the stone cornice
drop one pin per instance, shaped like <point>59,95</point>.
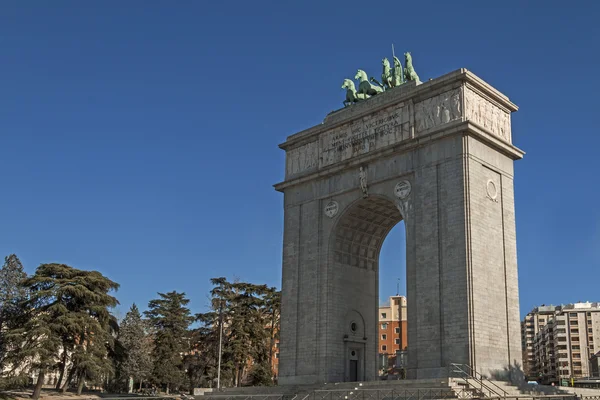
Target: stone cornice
<point>409,93</point>
<point>449,129</point>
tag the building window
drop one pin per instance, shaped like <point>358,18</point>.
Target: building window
<point>573,314</point>
<point>383,315</point>
<point>276,355</point>
<point>574,323</point>
<point>384,348</point>
<point>384,326</point>
<point>397,341</point>
<point>590,330</point>
<point>397,330</point>
<point>383,337</point>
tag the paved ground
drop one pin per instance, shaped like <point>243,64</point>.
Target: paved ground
<point>54,395</point>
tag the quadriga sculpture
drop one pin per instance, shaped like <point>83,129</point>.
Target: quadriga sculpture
<point>390,78</point>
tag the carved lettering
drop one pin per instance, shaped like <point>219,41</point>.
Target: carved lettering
<point>375,131</point>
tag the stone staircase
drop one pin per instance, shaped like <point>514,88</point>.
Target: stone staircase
<point>418,389</point>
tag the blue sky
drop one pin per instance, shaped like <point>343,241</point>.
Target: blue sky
<point>140,138</point>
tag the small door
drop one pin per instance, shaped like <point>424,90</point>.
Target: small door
<point>353,370</point>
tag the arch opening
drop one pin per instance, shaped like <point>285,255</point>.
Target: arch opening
<point>393,340</point>
<point>357,242</point>
<point>361,231</point>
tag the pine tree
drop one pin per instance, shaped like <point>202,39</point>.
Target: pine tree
<point>272,309</point>
<point>170,320</point>
<point>12,297</point>
<point>133,336</point>
<point>250,318</point>
<point>67,303</point>
<point>12,276</point>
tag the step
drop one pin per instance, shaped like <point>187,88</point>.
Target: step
<point>342,390</point>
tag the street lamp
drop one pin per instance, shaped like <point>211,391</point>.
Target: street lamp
<point>220,337</point>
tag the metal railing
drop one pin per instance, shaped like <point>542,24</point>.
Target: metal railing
<point>137,397</point>
<point>388,394</point>
<point>566,396</point>
<point>224,396</point>
<point>485,387</point>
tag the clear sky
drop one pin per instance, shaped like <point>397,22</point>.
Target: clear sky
<point>139,138</point>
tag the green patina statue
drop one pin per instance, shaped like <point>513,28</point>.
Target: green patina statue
<point>390,78</point>
<point>351,95</point>
<point>409,71</point>
<point>365,86</point>
<point>398,76</point>
<point>386,76</point>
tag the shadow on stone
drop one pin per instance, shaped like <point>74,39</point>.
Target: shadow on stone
<point>514,376</point>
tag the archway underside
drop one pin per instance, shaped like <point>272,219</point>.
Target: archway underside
<point>361,231</point>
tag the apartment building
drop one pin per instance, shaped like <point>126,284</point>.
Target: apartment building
<point>531,325</point>
<point>565,345</point>
<point>392,331</point>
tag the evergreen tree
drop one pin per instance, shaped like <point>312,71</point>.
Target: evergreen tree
<point>169,320</point>
<point>12,276</point>
<point>272,309</point>
<point>12,297</point>
<point>137,362</point>
<point>250,318</point>
<point>67,302</point>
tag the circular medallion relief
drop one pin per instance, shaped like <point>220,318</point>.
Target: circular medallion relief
<point>331,209</point>
<point>402,189</point>
<point>491,189</point>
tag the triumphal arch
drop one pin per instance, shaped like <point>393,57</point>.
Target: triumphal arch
<point>438,155</point>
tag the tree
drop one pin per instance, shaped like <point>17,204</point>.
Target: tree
<point>170,320</point>
<point>12,298</point>
<point>273,314</point>
<point>67,305</point>
<point>201,362</point>
<point>250,318</point>
<point>12,276</point>
<point>133,336</point>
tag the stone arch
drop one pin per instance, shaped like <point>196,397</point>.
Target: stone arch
<point>461,262</point>
<point>361,229</point>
